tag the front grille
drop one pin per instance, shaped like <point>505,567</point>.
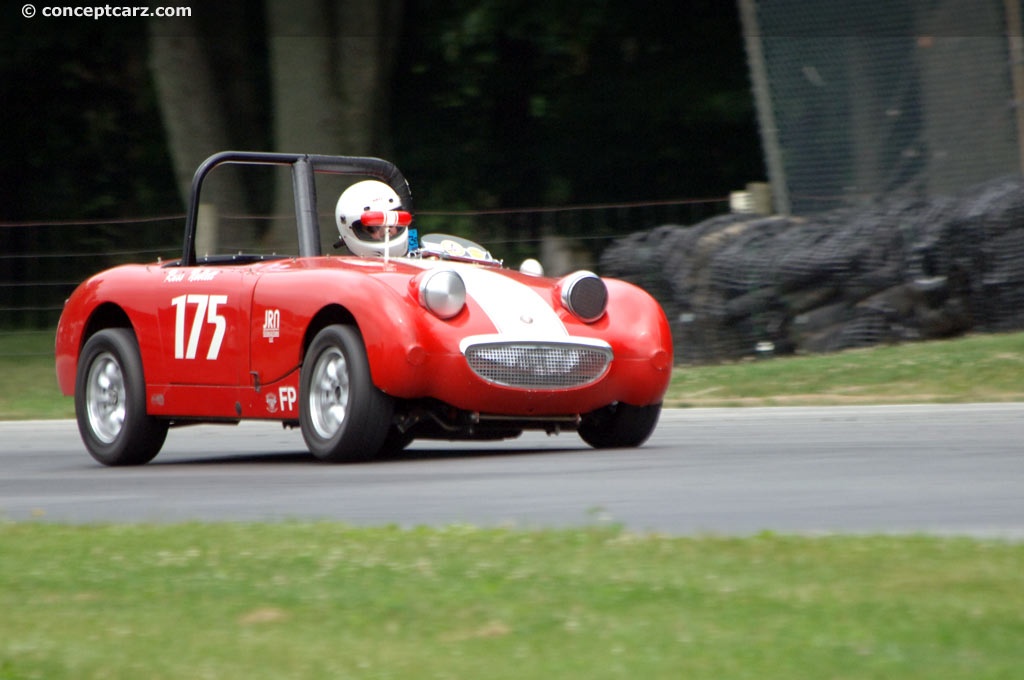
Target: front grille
<point>537,365</point>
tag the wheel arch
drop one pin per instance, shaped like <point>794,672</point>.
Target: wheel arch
<point>386,331</point>
<point>327,316</point>
<point>106,315</point>
<point>68,348</point>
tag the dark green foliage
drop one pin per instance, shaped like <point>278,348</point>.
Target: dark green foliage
<point>572,103</point>
<point>496,105</point>
<point>81,140</point>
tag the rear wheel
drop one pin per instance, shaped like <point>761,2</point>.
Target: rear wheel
<point>343,416</point>
<point>110,401</point>
<point>619,425</point>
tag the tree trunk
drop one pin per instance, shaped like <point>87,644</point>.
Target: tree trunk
<point>194,122</point>
<point>330,64</point>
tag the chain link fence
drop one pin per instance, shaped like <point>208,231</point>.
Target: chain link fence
<point>860,99</point>
<point>892,133</point>
<point>39,269</point>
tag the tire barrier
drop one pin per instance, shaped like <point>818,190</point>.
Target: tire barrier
<point>900,269</point>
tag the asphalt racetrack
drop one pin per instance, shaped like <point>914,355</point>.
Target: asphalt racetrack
<point>956,469</point>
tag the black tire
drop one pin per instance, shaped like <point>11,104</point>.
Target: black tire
<point>619,425</point>
<point>110,401</point>
<point>342,414</point>
<point>394,443</point>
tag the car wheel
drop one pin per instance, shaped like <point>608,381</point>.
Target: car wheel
<point>110,401</point>
<point>343,416</point>
<point>619,425</point>
<point>395,442</point>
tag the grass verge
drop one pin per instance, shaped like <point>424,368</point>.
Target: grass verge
<point>977,368</point>
<point>980,368</point>
<point>316,600</point>
<point>28,381</point>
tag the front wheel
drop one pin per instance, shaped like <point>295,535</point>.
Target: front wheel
<point>343,416</point>
<point>619,425</point>
<point>110,401</point>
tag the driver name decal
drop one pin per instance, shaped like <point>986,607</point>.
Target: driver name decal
<point>178,275</point>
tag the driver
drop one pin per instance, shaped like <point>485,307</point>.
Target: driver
<point>368,241</point>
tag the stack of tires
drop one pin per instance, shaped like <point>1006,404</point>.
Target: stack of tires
<point>896,270</point>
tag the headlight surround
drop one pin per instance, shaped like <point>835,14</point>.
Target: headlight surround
<point>442,292</point>
<point>585,295</point>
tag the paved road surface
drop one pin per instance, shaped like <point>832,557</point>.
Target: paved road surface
<point>937,469</point>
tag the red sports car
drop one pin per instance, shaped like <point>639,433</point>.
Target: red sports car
<point>406,337</point>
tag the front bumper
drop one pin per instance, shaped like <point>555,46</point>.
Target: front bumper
<point>535,379</point>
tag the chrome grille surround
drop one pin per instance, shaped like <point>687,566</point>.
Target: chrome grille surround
<point>532,364</point>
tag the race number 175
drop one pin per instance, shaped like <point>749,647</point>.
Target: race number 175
<point>206,314</point>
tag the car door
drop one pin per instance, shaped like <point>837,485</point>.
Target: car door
<point>282,302</point>
<point>203,317</point>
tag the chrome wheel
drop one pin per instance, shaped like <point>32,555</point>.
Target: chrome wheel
<point>105,397</point>
<point>110,401</point>
<point>344,417</point>
<point>329,396</point>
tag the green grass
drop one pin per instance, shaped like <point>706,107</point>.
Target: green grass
<point>28,381</point>
<point>977,368</point>
<point>320,600</point>
<point>323,600</point>
<point>981,368</point>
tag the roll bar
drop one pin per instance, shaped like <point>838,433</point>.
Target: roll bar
<point>304,169</point>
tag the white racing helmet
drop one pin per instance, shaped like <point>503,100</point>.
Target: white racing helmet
<point>368,241</point>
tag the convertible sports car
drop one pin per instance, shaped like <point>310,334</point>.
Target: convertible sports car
<point>408,337</point>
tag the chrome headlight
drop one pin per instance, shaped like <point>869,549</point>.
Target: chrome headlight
<point>443,292</point>
<point>585,295</point>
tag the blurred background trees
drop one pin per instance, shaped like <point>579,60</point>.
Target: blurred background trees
<point>483,103</point>
<point>486,105</point>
